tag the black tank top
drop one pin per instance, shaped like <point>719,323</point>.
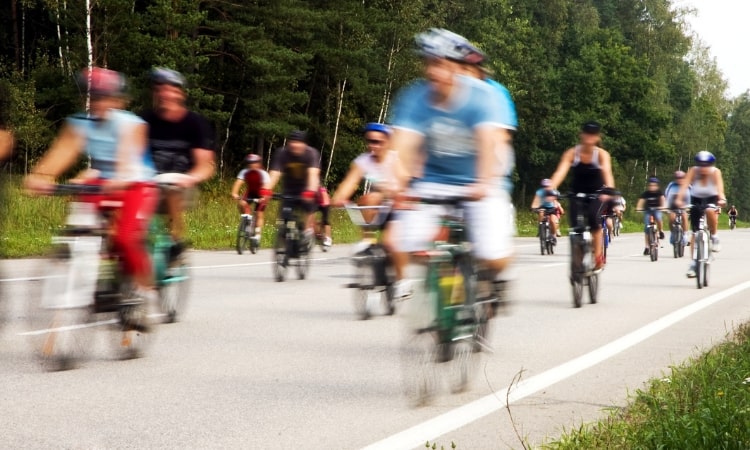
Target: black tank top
<point>587,177</point>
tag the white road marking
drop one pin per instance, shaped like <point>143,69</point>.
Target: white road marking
<point>68,328</point>
<point>452,420</point>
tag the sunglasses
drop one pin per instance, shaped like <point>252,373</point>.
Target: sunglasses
<point>374,141</point>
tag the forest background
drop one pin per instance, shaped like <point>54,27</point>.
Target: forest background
<point>258,69</point>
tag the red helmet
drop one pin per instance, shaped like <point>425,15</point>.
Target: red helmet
<point>252,158</point>
<point>102,82</point>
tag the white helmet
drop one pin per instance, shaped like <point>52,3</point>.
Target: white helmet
<point>441,43</point>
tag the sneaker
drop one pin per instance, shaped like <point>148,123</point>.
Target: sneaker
<point>691,270</point>
<point>600,263</point>
<point>402,290</point>
<point>646,251</point>
<point>360,246</point>
<point>661,235</point>
<point>715,246</point>
<point>558,234</point>
<point>327,242</point>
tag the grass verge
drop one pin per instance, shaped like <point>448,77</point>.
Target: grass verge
<point>702,404</point>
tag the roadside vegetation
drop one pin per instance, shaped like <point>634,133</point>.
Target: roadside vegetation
<point>702,404</point>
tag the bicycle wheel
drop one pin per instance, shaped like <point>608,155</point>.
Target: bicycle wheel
<point>303,261</point>
<point>418,356</point>
<point>364,280</point>
<point>243,238</point>
<point>542,238</point>
<point>653,245</point>
<point>253,239</point>
<point>174,290</point>
<point>593,282</point>
<point>463,365</point>
<point>699,263</point>
<point>280,257</point>
<point>59,319</point>
<point>576,268</point>
<point>704,276</point>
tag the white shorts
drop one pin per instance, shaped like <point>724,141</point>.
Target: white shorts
<point>489,222</point>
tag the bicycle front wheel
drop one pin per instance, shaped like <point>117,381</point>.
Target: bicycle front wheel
<point>576,268</point>
<point>174,290</point>
<point>243,237</point>
<point>364,281</point>
<point>280,257</point>
<point>418,357</point>
<point>542,238</point>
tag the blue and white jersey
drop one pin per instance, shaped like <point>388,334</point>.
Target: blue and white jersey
<point>671,193</point>
<point>449,144</point>
<point>102,138</point>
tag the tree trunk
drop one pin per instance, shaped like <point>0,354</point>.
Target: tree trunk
<point>336,129</point>
<point>226,139</point>
<point>59,37</point>
<point>389,85</point>
<point>16,34</point>
<point>89,55</point>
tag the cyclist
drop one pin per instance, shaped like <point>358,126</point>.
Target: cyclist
<point>649,200</point>
<point>299,165</point>
<point>446,137</point>
<point>546,202</point>
<point>376,167</point>
<point>254,178</point>
<point>708,188</point>
<point>115,141</point>
<point>619,205</point>
<point>180,141</point>
<point>673,188</point>
<point>323,200</point>
<point>732,215</point>
<point>591,167</point>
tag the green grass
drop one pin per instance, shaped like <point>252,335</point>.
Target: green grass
<point>703,404</point>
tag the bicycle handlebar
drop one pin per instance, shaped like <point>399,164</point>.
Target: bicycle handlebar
<point>76,189</point>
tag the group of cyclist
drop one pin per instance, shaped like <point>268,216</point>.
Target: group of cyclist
<point>126,152</point>
<point>450,135</point>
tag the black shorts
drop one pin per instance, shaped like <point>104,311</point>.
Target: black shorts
<point>699,206</point>
<point>592,212</point>
<point>324,214</point>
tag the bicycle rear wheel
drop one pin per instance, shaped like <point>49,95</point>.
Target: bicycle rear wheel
<point>653,245</point>
<point>364,281</point>
<point>280,257</point>
<point>542,238</point>
<point>463,365</point>
<point>593,282</point>
<point>576,268</point>
<point>303,261</point>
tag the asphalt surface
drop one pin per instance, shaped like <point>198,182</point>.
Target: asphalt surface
<point>264,365</point>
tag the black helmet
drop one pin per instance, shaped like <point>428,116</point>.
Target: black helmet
<point>591,127</point>
<point>297,135</point>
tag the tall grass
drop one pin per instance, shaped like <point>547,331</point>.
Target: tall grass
<point>703,404</point>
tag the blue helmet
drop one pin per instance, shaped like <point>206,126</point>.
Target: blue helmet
<point>379,127</point>
<point>653,180</point>
<point>705,158</point>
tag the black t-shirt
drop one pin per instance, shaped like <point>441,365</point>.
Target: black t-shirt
<point>294,167</point>
<point>653,198</point>
<point>172,143</point>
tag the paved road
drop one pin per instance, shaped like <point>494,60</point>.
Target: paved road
<point>260,364</point>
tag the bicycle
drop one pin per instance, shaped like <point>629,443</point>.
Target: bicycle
<point>652,233</point>
<point>581,245</point>
<point>606,237</point>
<point>290,245</point>
<point>246,237</point>
<point>547,239</point>
<point>84,282</point>
<point>702,249</point>
<point>732,222</point>
<point>373,268</point>
<point>677,234</point>
<point>449,322</point>
<point>616,225</point>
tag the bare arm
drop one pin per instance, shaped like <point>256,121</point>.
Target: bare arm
<point>62,154</point>
<point>6,144</point>
<point>639,205</point>
<point>273,179</point>
<point>720,187</point>
<point>684,187</point>
<point>562,169</point>
<point>486,164</point>
<point>536,202</point>
<point>346,189</point>
<point>407,145</point>
<point>236,188</point>
<point>313,178</point>
<point>204,165</point>
<point>605,160</point>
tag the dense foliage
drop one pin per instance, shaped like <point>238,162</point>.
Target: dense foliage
<point>258,68</point>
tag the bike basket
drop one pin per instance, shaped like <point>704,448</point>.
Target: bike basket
<point>82,215</point>
<point>357,215</point>
<point>72,282</point>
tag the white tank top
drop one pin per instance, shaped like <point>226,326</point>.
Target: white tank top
<point>707,187</point>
